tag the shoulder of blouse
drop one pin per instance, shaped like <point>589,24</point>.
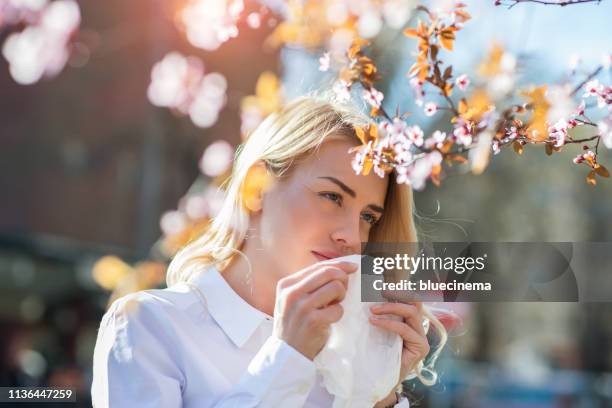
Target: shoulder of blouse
<point>159,302</point>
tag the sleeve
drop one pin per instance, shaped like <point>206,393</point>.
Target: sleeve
<point>132,365</point>
<point>278,376</point>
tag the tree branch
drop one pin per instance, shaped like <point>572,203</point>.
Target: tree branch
<point>562,3</point>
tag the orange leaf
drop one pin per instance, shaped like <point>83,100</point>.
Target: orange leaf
<point>591,178</point>
<point>367,166</point>
<point>360,134</point>
<point>463,106</point>
<point>446,42</point>
<point>549,149</point>
<point>518,147</point>
<point>411,32</point>
<point>602,171</point>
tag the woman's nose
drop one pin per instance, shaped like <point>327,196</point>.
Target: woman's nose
<point>348,236</point>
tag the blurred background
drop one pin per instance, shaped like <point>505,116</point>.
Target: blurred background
<point>118,120</point>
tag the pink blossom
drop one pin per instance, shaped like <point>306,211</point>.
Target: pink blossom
<point>210,23</point>
<point>217,158</point>
<point>42,48</point>
<point>417,85</point>
<point>373,96</point>
<point>436,139</point>
<point>592,88</point>
<point>582,157</point>
<point>415,134</point>
<point>179,83</point>
<point>605,97</point>
<point>462,82</point>
<point>463,134</point>
<point>512,133</point>
<point>342,89</point>
<point>430,108</point>
<point>580,109</point>
<point>578,159</point>
<point>417,173</point>
<point>495,146</point>
<point>359,159</point>
<point>559,132</point>
<point>173,222</point>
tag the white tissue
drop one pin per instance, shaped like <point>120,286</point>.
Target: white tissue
<point>360,363</point>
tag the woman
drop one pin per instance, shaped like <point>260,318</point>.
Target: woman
<point>249,304</point>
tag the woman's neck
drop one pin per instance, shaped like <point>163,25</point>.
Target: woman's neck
<point>256,288</point>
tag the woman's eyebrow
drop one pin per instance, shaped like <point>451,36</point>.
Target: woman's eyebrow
<point>340,184</point>
<point>376,208</point>
<point>350,192</point>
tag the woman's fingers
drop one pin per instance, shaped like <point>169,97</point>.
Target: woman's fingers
<point>411,313</point>
<point>413,341</point>
<point>308,279</point>
<point>331,292</point>
<point>323,276</point>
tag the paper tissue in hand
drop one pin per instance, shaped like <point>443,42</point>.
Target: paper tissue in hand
<point>360,363</point>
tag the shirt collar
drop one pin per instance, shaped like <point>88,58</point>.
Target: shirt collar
<point>237,318</point>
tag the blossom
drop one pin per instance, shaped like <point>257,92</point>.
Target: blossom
<point>495,146</point>
<point>217,158</point>
<point>415,134</point>
<point>179,83</point>
<point>208,101</point>
<point>462,82</point>
<point>463,133</point>
<point>324,62</point>
<point>592,88</point>
<point>417,85</point>
<point>561,103</point>
<point>512,133</point>
<point>417,173</point>
<point>580,110</point>
<point>210,23</point>
<point>589,157</point>
<point>436,139</point>
<point>559,132</point>
<point>173,222</point>
<point>373,96</point>
<point>360,157</point>
<point>430,108</point>
<point>41,49</point>
<point>395,129</point>
<point>342,90</point>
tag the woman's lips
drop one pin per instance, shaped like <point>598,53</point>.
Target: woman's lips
<point>324,255</point>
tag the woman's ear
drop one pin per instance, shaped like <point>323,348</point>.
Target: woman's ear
<point>256,182</point>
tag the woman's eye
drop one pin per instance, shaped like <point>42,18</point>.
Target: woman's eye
<point>369,218</point>
<point>335,197</point>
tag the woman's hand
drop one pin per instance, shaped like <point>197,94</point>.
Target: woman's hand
<point>416,346</point>
<point>307,303</point>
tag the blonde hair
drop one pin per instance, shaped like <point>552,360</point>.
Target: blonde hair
<point>280,140</point>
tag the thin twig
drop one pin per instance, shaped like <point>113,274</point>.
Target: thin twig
<point>587,79</point>
<point>548,2</point>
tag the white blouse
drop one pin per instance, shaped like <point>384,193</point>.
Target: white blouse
<point>198,345</point>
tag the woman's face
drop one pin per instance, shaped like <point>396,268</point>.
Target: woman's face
<point>320,210</point>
